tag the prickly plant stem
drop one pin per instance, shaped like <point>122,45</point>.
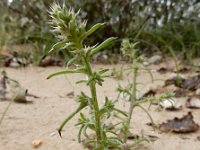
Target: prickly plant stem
<point>133,100</point>
<point>95,105</point>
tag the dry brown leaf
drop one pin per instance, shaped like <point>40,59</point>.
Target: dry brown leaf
<point>50,61</point>
<point>46,61</point>
<point>150,92</point>
<point>191,83</point>
<point>185,124</point>
<point>12,60</point>
<point>164,70</point>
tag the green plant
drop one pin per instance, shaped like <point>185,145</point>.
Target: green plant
<point>72,34</point>
<point>130,52</point>
<point>132,55</point>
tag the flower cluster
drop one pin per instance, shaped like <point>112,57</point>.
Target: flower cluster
<point>65,22</point>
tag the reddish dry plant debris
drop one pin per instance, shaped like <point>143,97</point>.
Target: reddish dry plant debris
<point>185,124</point>
<point>50,61</point>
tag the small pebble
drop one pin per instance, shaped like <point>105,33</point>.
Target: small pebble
<point>155,59</point>
<point>36,143</point>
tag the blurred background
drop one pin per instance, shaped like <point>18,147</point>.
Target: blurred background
<point>163,26</point>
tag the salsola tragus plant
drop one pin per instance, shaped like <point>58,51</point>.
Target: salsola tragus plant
<point>130,52</point>
<point>72,32</point>
<point>131,90</point>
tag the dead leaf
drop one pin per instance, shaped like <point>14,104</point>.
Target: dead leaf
<point>36,143</point>
<point>164,70</point>
<point>50,61</point>
<point>185,124</point>
<point>193,102</point>
<point>150,92</point>
<point>12,60</point>
<point>191,83</point>
<point>185,69</point>
<point>7,60</point>
<point>46,61</point>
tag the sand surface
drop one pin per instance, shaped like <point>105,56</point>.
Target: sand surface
<point>39,120</point>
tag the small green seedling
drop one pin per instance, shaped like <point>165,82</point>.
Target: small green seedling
<point>72,33</point>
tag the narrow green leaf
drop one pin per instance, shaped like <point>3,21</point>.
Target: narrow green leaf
<point>79,133</point>
<point>102,45</point>
<point>92,30</point>
<point>71,61</point>
<point>72,26</point>
<point>88,50</point>
<point>57,45</point>
<point>68,46</point>
<point>121,112</point>
<point>81,81</point>
<point>78,70</point>
<point>69,118</point>
<point>103,71</point>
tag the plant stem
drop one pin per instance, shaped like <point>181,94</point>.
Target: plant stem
<point>6,109</point>
<point>133,100</point>
<point>98,130</point>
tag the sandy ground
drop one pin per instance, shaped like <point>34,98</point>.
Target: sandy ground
<point>24,123</point>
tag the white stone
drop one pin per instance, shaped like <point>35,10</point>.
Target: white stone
<point>155,59</point>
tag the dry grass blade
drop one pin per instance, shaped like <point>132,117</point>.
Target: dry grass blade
<point>3,86</point>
